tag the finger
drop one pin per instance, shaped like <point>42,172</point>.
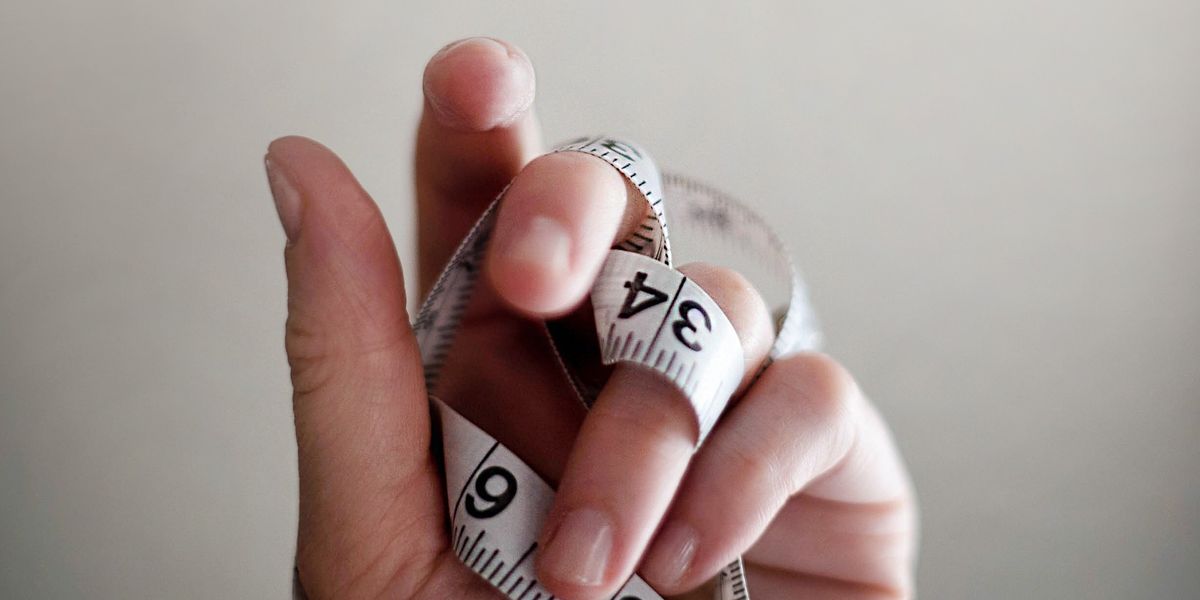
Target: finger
<point>362,425</point>
<point>803,426</point>
<point>629,457</point>
<point>557,222</point>
<point>477,130</point>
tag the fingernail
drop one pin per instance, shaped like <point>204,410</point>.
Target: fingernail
<point>287,199</point>
<point>579,548</point>
<point>539,241</point>
<point>501,81</point>
<point>678,546</point>
<point>479,40</point>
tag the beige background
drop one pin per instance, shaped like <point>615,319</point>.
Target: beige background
<point>996,205</point>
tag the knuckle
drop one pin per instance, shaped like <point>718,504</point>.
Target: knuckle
<point>821,386</point>
<point>824,394</point>
<point>652,410</point>
<point>567,163</point>
<point>317,356</point>
<point>308,352</point>
<point>741,303</point>
<point>722,283</point>
<point>759,466</point>
<point>567,179</point>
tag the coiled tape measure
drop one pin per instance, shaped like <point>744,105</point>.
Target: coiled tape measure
<point>646,312</point>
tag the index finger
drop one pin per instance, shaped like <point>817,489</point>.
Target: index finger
<point>557,222</point>
<point>476,132</point>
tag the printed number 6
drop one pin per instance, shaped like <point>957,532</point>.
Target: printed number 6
<point>498,501</point>
<point>685,323</point>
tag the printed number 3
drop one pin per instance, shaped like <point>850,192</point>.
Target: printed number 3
<point>684,323</point>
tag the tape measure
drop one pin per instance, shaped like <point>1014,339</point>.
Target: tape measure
<point>647,313</point>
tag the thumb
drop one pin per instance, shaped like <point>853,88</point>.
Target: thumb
<point>369,493</point>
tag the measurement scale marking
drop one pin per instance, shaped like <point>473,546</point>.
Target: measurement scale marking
<point>524,556</point>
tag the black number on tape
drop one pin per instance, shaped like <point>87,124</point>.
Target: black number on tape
<point>637,286</point>
<point>686,308</point>
<point>498,502</point>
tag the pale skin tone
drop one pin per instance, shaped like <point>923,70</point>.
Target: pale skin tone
<point>822,509</point>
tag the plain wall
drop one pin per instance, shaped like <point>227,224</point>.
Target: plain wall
<point>997,206</point>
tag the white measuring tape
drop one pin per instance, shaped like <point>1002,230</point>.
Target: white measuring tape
<point>647,313</point>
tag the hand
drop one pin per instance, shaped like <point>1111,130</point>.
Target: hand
<point>800,474</point>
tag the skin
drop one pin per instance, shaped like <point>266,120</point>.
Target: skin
<point>823,507</point>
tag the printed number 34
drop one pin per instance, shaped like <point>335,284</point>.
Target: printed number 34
<point>687,310</point>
